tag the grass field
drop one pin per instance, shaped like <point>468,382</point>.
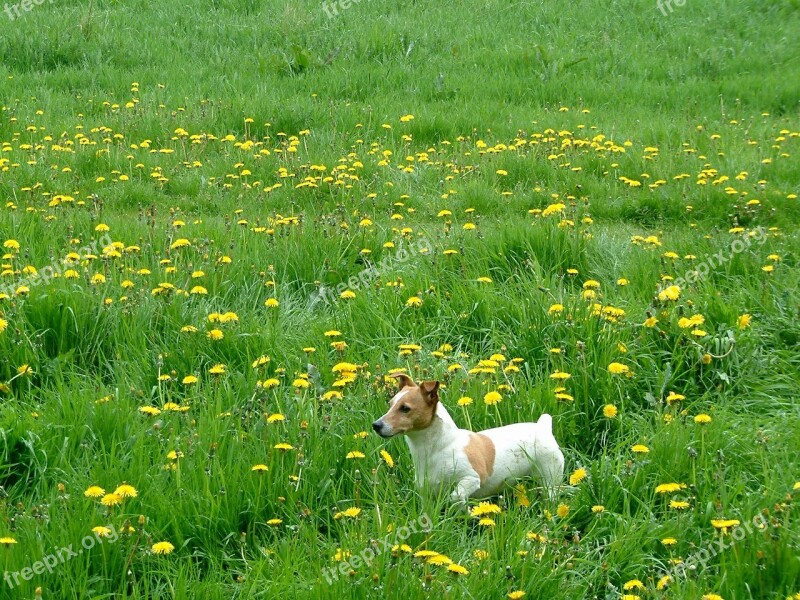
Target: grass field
<point>225,223</point>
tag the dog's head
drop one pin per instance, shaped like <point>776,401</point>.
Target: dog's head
<point>412,408</point>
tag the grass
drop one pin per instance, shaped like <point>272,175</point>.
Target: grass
<point>167,168</point>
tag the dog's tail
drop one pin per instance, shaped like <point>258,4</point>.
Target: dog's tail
<point>546,423</point>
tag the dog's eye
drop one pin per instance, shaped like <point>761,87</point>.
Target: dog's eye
<point>405,409</point>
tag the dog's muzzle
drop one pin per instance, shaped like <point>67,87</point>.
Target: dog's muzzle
<point>378,427</point>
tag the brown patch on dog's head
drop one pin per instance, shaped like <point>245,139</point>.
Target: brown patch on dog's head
<point>480,452</point>
<point>412,408</point>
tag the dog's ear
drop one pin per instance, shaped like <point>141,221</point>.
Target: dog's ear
<point>430,390</point>
<point>403,380</point>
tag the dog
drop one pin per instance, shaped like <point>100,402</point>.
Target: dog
<point>480,464</point>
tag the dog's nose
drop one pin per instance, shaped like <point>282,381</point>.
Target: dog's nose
<point>377,426</point>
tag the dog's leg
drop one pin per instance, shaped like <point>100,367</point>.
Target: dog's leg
<point>465,488</point>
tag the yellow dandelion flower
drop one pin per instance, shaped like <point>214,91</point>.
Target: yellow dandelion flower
<point>669,541</point>
<point>633,584</point>
<point>126,490</point>
<point>111,500</point>
<point>457,569</point>
<point>616,368</point>
<point>492,398</point>
<point>577,476</point>
<point>162,548</point>
<point>609,411</point>
<point>94,491</point>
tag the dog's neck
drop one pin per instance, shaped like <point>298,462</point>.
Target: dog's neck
<point>425,444</point>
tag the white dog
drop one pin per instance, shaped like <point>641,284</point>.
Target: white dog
<point>477,464</point>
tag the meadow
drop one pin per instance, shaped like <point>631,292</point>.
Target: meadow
<point>225,223</point>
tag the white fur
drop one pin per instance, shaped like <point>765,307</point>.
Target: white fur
<point>521,450</point>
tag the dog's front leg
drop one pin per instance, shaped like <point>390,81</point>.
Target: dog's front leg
<point>465,488</point>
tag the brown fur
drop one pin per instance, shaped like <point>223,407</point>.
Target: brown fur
<point>421,399</point>
<point>480,452</point>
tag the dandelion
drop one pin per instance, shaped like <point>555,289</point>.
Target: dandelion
<point>414,302</point>
<point>616,368</point>
<point>354,454</point>
<point>94,491</point>
<point>274,522</point>
<point>126,491</point>
<point>7,541</point>
<point>485,508</point>
<point>387,458</point>
<point>598,508</point>
<point>702,419</point>
<point>724,524</point>
<point>670,488</point>
<point>560,376</point>
<point>218,369</point>
<point>669,541</point>
<point>640,449</point>
<point>672,293</point>
<point>464,401</point>
<point>271,303</point>
<point>190,380</point>
<point>457,569</point>
<point>672,397</point>
<point>259,468</point>
<point>3,325</point>
<point>609,411</point>
<point>577,476</point>
<point>633,584</point>
<point>101,531</point>
<point>515,595</point>
<point>162,548</point>
<point>350,513</point>
<point>492,398</point>
<point>562,510</point>
<point>111,500</point>
<point>743,322</point>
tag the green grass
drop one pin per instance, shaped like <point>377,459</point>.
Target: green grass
<point>272,139</point>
